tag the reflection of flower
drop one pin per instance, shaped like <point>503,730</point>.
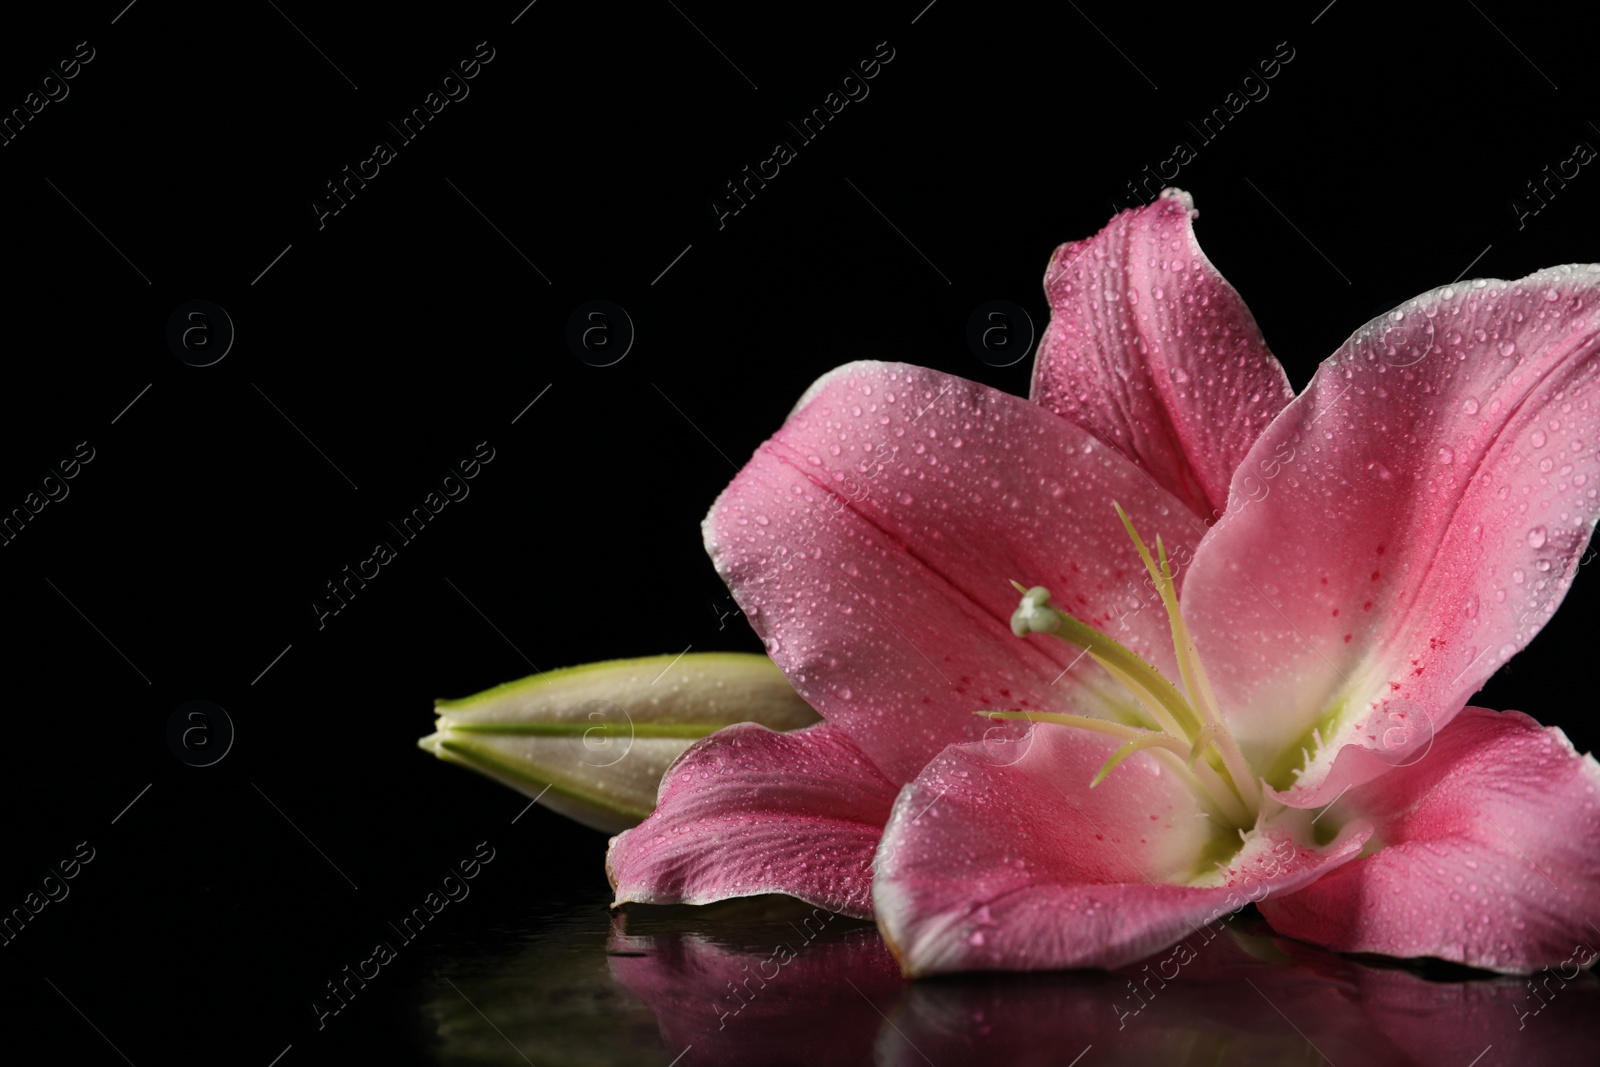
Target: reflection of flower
<point>1381,544</point>
<point>772,985</point>
<point>1244,1000</point>
<point>573,985</point>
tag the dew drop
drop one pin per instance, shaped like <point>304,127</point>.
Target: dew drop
<point>1536,537</point>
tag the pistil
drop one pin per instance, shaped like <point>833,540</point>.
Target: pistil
<point>1191,732</point>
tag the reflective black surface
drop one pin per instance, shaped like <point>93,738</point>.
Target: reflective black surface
<point>776,982</point>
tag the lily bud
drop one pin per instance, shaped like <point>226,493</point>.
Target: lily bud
<point>592,742</point>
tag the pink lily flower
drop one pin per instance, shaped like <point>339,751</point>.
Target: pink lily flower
<point>1264,703</point>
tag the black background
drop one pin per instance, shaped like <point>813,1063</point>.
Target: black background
<point>414,325</point>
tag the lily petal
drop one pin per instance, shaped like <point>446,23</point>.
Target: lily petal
<point>592,742</point>
<point>748,811</point>
<point>1405,526</point>
<point>871,540</point>
<point>992,861</point>
<point>1154,352</point>
<point>1489,854</point>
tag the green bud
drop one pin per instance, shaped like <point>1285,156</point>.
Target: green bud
<point>592,742</point>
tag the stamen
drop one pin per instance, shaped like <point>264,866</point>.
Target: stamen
<point>1138,744</point>
<point>1192,737</point>
<point>1134,738</point>
<point>1223,795</point>
<point>1192,671</point>
<point>1082,722</point>
<point>1168,749</point>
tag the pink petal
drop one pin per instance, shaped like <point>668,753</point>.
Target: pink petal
<point>747,811</point>
<point>1152,350</point>
<point>1407,524</point>
<point>871,540</point>
<point>995,865</point>
<point>1490,854</point>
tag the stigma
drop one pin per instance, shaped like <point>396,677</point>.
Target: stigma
<point>1034,615</point>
